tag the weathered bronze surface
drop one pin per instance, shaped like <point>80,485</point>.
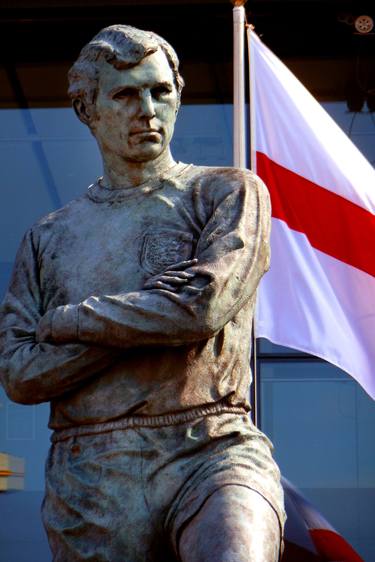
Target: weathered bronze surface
<point>130,310</point>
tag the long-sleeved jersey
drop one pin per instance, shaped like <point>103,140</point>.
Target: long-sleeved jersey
<point>115,348</point>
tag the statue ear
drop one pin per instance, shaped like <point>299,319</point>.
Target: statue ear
<point>83,111</point>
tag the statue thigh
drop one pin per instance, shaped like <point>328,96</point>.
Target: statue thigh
<point>235,524</point>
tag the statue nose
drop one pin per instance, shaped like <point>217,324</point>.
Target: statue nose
<point>147,105</point>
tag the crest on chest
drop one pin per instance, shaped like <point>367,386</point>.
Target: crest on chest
<point>163,247</point>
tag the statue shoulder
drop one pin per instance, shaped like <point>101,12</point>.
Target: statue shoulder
<point>65,213</point>
<point>229,179</point>
<point>59,220</point>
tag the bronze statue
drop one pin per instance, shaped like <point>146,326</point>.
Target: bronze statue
<point>130,310</point>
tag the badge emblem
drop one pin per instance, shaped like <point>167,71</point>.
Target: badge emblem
<point>162,248</point>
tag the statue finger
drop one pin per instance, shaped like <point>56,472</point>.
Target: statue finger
<point>192,289</point>
<point>172,279</point>
<point>181,274</point>
<point>183,264</point>
<point>164,279</point>
<point>159,285</point>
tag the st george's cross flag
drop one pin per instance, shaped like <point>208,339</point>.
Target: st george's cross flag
<point>319,294</point>
<point>308,535</point>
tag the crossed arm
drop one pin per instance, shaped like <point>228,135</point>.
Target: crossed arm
<point>34,370</point>
<point>46,355</point>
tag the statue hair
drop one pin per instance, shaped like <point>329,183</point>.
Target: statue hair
<point>123,47</point>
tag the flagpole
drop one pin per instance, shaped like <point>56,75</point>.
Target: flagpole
<point>239,118</point>
<point>239,148</point>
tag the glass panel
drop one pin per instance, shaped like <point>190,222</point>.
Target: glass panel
<point>359,126</point>
<point>265,347</point>
<point>203,135</point>
<point>321,423</point>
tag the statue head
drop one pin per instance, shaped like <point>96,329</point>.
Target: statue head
<point>121,46</point>
<point>126,87</point>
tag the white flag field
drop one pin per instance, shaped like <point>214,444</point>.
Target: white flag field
<point>319,294</point>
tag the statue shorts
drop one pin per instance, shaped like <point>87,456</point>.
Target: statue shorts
<point>127,494</point>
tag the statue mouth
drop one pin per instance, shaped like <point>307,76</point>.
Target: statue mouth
<point>145,132</point>
<point>140,136</point>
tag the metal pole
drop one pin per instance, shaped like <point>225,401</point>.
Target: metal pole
<point>239,131</point>
<point>239,151</point>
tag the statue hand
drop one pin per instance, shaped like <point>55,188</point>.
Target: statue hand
<point>174,278</point>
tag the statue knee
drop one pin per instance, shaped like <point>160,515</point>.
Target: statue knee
<point>235,524</point>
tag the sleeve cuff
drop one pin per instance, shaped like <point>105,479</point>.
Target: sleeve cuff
<point>64,323</point>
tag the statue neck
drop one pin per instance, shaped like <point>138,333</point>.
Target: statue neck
<point>119,173</point>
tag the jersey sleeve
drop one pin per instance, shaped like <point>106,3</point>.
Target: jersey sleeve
<point>32,371</point>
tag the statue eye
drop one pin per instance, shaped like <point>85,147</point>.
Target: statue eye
<point>160,91</point>
<point>124,93</point>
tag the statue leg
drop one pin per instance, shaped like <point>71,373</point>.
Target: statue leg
<point>235,524</point>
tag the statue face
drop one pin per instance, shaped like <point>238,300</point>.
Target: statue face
<point>136,109</point>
